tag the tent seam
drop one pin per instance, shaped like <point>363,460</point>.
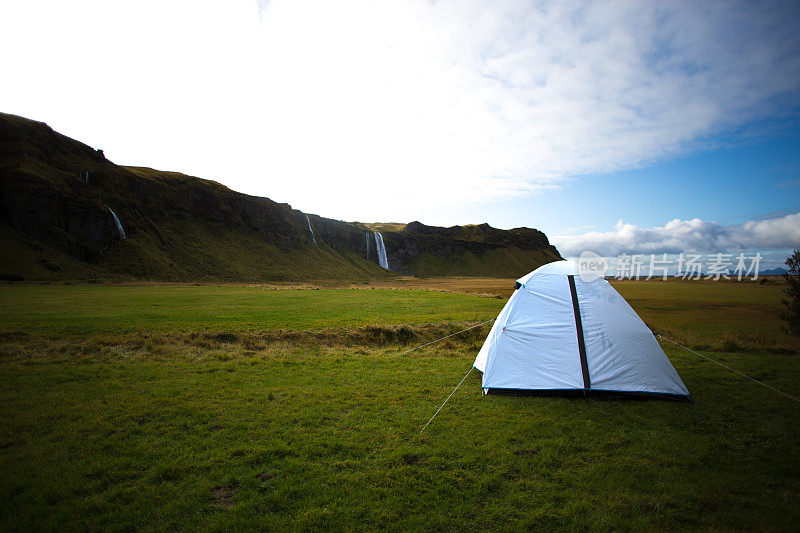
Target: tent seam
<point>587,382</point>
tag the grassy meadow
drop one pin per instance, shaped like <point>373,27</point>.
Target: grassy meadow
<point>287,407</point>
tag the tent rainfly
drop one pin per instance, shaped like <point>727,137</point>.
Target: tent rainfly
<point>559,333</point>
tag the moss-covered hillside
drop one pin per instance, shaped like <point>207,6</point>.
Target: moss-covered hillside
<point>57,196</point>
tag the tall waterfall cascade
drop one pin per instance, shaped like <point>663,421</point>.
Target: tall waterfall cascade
<point>311,230</point>
<point>117,222</point>
<point>383,261</point>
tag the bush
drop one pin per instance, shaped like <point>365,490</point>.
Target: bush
<point>792,301</point>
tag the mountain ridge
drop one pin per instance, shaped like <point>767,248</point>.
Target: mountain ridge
<point>57,196</point>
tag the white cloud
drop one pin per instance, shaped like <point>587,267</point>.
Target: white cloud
<point>391,110</point>
<point>779,233</point>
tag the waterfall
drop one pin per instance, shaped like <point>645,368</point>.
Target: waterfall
<point>366,234</point>
<point>311,230</point>
<point>117,222</point>
<point>382,260</point>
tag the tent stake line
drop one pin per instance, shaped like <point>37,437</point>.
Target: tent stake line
<point>443,338</point>
<point>729,368</point>
<point>445,401</point>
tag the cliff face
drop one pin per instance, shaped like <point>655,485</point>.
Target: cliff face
<point>38,193</point>
<point>416,240</point>
<point>56,194</point>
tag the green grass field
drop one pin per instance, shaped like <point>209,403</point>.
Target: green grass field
<point>207,407</point>
<point>69,309</point>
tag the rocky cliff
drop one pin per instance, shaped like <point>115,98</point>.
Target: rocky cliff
<point>57,194</point>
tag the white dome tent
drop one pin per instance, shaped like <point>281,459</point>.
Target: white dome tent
<point>559,333</point>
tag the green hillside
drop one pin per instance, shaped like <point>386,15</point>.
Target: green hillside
<point>56,222</point>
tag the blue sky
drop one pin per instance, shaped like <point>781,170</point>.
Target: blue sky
<point>728,185</point>
<point>737,181</point>
<point>612,125</point>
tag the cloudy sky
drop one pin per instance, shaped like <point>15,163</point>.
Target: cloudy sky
<point>618,127</point>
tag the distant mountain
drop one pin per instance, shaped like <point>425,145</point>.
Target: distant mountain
<point>64,208</point>
<point>773,272</point>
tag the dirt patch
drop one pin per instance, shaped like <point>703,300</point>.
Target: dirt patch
<point>225,495</point>
<point>411,459</point>
<point>265,476</point>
